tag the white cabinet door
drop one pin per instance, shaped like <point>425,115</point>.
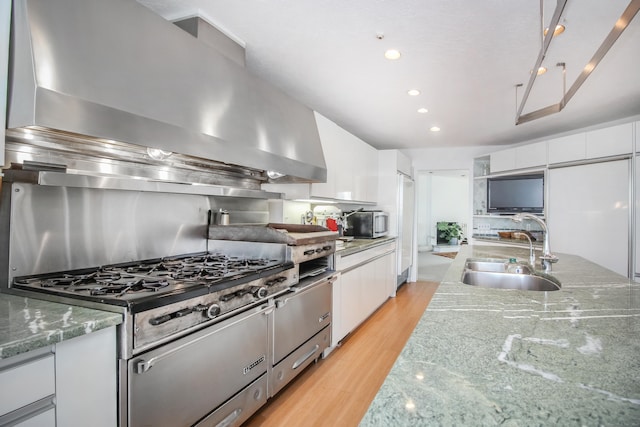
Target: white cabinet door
<point>351,304</point>
<point>86,380</point>
<point>610,141</point>
<point>27,382</point>
<point>45,419</point>
<point>531,155</point>
<point>588,213</point>
<point>502,160</point>
<point>567,148</point>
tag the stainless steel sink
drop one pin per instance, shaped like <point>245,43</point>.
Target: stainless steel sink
<point>496,266</point>
<point>506,274</point>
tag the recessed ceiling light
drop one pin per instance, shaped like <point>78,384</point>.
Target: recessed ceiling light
<point>434,129</point>
<point>559,30</point>
<point>392,54</point>
<point>422,110</point>
<point>413,92</point>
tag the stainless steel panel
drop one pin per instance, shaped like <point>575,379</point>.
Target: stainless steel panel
<point>300,254</point>
<point>240,408</point>
<point>299,316</point>
<point>290,367</point>
<point>60,228</point>
<point>180,383</point>
<point>61,179</point>
<point>116,70</point>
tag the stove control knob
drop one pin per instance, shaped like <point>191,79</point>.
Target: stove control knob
<point>259,292</point>
<point>213,311</point>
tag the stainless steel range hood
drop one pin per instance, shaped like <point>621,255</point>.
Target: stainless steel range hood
<point>115,70</point>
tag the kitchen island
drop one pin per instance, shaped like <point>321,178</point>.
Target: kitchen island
<point>482,356</point>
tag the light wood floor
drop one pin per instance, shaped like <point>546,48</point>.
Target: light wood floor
<point>338,390</point>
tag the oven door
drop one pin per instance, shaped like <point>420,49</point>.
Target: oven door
<point>180,383</point>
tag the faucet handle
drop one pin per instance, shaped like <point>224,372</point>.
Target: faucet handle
<point>549,257</point>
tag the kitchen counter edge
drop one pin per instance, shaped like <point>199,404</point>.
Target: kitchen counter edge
<point>28,323</point>
<point>359,245</point>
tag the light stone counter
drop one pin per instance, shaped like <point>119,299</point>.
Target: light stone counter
<point>27,324</point>
<point>358,245</point>
<point>482,356</point>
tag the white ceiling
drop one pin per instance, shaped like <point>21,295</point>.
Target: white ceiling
<point>465,56</point>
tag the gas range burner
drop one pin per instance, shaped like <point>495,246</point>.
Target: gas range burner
<point>141,279</point>
<point>131,285</point>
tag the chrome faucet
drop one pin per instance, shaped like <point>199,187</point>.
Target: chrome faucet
<point>547,257</point>
<point>532,255</point>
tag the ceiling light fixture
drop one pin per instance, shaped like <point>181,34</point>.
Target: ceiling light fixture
<point>413,92</point>
<point>559,30</point>
<point>621,24</point>
<point>422,110</point>
<point>392,54</point>
<point>434,129</point>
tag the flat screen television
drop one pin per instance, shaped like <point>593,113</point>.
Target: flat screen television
<point>517,193</point>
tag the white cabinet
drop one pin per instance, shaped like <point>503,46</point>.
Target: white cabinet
<point>588,213</point>
<point>502,160</point>
<point>366,281</point>
<point>73,383</point>
<point>609,141</point>
<point>531,155</point>
<point>86,380</point>
<point>26,382</point>
<point>567,148</point>
<point>606,142</point>
<point>351,165</point>
<point>352,168</point>
<point>522,157</point>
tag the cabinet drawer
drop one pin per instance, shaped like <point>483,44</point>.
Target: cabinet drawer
<point>27,383</point>
<point>45,419</point>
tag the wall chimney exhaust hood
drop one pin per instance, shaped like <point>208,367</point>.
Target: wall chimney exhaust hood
<point>115,70</point>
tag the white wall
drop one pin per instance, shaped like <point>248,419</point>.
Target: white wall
<point>442,196</point>
<point>443,159</point>
<point>449,200</point>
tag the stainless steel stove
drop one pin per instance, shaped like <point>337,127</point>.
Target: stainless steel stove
<point>212,321</point>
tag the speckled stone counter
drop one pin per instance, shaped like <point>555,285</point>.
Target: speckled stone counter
<point>27,324</point>
<point>482,356</point>
<point>359,245</point>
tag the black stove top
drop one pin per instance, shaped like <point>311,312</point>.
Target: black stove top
<point>172,278</point>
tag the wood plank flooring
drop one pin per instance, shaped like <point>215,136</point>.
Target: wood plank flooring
<point>338,390</point>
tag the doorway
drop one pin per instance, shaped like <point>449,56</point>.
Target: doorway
<point>443,196</point>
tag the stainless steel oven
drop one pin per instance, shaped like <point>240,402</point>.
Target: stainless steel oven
<point>216,376</point>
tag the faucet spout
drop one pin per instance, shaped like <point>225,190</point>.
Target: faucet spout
<point>532,255</point>
<point>547,257</point>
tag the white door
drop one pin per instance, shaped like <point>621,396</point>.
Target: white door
<point>588,213</point>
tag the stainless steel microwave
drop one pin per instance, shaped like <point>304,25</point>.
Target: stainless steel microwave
<point>367,224</point>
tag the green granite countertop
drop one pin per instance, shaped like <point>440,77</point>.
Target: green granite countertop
<point>358,245</point>
<point>481,356</point>
<point>27,324</point>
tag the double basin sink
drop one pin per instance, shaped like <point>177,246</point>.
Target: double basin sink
<point>506,274</point>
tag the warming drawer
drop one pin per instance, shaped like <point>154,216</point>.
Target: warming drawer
<point>291,366</point>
